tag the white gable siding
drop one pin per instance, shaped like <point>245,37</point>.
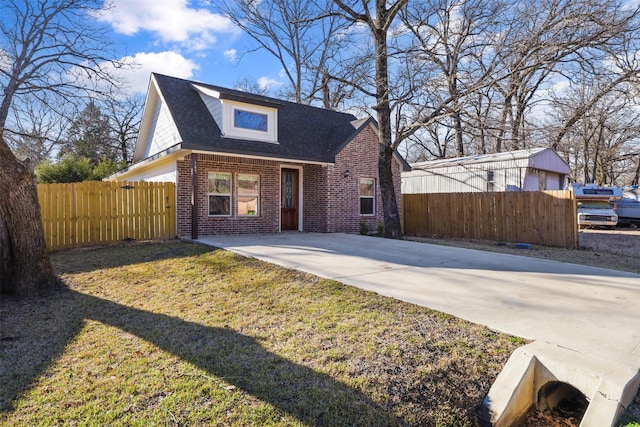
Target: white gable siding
<point>214,106</point>
<point>163,131</point>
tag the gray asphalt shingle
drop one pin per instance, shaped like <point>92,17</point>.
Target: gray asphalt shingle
<point>304,132</point>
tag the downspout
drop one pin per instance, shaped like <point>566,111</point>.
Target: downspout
<point>194,196</point>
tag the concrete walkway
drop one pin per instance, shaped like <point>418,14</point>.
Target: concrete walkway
<point>590,311</point>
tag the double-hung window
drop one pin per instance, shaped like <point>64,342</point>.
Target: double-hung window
<point>219,194</point>
<point>367,196</point>
<point>248,195</point>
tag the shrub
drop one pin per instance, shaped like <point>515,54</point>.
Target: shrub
<point>364,227</point>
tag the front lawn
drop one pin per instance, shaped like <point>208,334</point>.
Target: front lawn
<point>182,334</point>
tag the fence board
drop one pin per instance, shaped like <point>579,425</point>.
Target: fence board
<point>544,218</point>
<point>94,212</point>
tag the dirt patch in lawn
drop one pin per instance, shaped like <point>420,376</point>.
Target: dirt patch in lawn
<point>180,334</point>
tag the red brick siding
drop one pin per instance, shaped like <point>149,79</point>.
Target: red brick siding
<point>266,222</point>
<point>315,198</point>
<point>183,195</point>
<point>360,158</point>
<point>331,201</point>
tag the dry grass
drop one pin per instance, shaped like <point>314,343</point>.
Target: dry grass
<point>618,249</point>
<point>180,334</point>
<point>615,249</point>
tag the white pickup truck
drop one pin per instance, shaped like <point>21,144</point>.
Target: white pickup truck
<point>594,208</point>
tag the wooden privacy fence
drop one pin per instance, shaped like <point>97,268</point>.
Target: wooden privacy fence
<point>544,218</point>
<point>93,212</point>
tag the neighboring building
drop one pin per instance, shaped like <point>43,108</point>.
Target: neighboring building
<point>245,163</point>
<point>522,170</point>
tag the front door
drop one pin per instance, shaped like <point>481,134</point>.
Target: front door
<point>289,199</point>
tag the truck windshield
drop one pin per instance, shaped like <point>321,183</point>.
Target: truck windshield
<point>594,204</point>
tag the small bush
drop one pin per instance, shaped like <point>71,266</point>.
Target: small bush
<point>364,227</point>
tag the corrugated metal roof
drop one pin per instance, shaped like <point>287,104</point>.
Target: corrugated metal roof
<point>481,158</point>
<point>521,158</point>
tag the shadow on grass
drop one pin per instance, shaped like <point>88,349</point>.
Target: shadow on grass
<point>122,254</point>
<point>313,398</point>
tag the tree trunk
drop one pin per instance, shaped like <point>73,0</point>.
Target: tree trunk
<point>457,127</point>
<point>636,176</point>
<point>585,160</point>
<point>25,268</point>
<point>392,226</point>
<point>502,129</point>
<point>519,141</point>
<point>123,148</point>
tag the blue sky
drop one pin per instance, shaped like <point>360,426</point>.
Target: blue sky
<point>184,39</point>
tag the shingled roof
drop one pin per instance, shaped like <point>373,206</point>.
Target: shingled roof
<point>305,133</point>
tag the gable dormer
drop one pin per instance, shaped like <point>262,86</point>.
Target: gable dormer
<point>241,117</point>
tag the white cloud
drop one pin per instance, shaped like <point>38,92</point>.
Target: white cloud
<point>169,20</point>
<point>5,60</point>
<point>268,83</point>
<point>136,77</point>
<point>231,55</point>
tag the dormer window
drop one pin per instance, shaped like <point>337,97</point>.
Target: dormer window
<point>250,120</point>
<point>246,121</point>
<point>242,117</point>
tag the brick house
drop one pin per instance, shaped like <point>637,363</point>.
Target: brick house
<point>245,163</point>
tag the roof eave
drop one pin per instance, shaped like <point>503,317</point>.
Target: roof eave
<point>195,148</point>
<point>184,149</point>
<point>173,151</point>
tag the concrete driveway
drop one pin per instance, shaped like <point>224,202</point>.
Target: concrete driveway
<point>585,320</point>
<point>588,310</point>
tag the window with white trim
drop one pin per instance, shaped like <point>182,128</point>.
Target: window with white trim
<point>248,195</point>
<point>219,194</point>
<point>367,196</point>
<point>252,122</point>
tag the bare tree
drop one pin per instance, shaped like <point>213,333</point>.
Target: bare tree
<point>379,21</point>
<point>305,47</point>
<point>124,115</point>
<point>546,38</point>
<point>432,142</point>
<point>251,86</point>
<point>37,131</point>
<point>600,131</point>
<point>49,48</point>
<point>448,48</point>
